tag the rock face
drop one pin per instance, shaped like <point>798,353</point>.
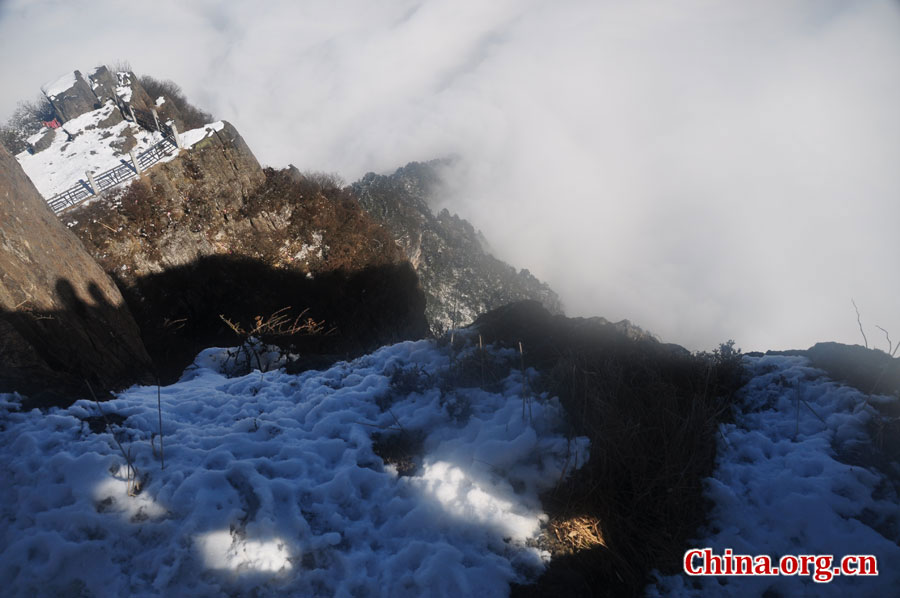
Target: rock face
<point>461,279</point>
<point>211,234</point>
<point>103,83</point>
<point>176,212</point>
<point>71,96</point>
<point>129,88</point>
<point>62,319</point>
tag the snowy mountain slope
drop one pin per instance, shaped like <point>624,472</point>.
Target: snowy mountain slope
<point>271,485</point>
<point>792,478</point>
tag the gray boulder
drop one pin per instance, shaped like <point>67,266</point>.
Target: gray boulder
<point>71,96</point>
<point>103,83</point>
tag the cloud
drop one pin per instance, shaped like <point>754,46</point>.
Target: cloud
<point>709,171</point>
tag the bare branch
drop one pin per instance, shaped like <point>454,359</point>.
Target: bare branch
<point>132,475</point>
<point>278,324</point>
<point>162,457</point>
<point>891,349</point>
<point>858,321</point>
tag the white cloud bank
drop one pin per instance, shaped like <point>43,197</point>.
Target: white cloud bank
<point>706,169</point>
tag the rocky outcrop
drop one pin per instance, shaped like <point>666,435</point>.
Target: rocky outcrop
<point>869,370</point>
<point>71,96</point>
<point>211,234</point>
<point>103,83</point>
<point>177,211</point>
<point>44,141</point>
<point>129,89</point>
<point>215,178</point>
<point>62,319</point>
<point>460,277</point>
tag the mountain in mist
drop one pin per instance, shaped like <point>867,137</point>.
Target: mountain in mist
<point>460,276</point>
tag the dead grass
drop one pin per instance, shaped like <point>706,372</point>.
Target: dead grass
<point>573,534</point>
<point>652,413</point>
<point>652,443</point>
<point>277,325</point>
<point>279,330</point>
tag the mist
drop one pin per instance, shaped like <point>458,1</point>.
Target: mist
<point>708,170</point>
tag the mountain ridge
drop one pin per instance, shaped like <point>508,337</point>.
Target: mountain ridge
<point>460,277</point>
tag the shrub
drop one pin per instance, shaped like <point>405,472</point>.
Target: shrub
<point>25,121</point>
<point>269,341</point>
<point>138,203</point>
<point>120,66</point>
<point>191,116</point>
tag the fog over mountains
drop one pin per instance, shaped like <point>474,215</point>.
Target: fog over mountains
<point>706,171</point>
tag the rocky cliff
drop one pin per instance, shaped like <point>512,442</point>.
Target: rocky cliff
<point>73,95</point>
<point>461,279</point>
<point>62,319</point>
<point>210,234</point>
<point>176,212</point>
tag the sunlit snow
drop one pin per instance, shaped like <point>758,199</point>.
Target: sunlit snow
<point>222,550</point>
<point>271,484</point>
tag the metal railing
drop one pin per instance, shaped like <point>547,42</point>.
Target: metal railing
<point>125,171</point>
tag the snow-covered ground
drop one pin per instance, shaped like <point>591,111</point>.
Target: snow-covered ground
<point>92,148</point>
<point>65,162</point>
<point>791,479</point>
<point>271,485</point>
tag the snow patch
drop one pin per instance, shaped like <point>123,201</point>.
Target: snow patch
<point>315,249</point>
<point>224,550</point>
<point>123,87</point>
<point>59,85</point>
<point>194,136</point>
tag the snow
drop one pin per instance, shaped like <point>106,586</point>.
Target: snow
<point>123,89</point>
<point>194,136</point>
<point>271,485</point>
<point>59,85</point>
<point>793,485</point>
<point>160,100</point>
<point>315,249</point>
<point>63,164</point>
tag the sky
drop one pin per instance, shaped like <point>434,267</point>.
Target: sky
<point>707,170</point>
